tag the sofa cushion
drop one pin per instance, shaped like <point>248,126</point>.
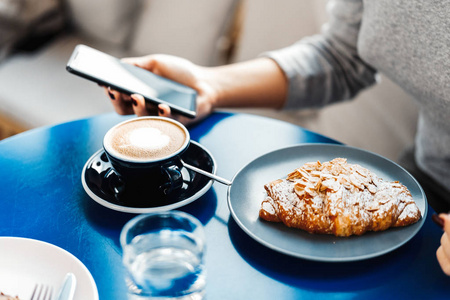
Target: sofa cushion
<point>190,29</point>
<point>25,11</point>
<point>109,21</point>
<point>10,8</point>
<point>36,89</point>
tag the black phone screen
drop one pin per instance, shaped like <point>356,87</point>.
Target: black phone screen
<point>110,71</point>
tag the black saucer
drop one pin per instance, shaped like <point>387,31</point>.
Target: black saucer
<point>194,186</point>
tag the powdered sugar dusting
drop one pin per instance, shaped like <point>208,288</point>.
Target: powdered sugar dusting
<point>338,198</point>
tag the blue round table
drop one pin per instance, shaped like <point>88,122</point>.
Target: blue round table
<point>42,198</point>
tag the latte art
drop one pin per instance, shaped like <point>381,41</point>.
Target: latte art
<point>145,140</point>
<point>148,139</point>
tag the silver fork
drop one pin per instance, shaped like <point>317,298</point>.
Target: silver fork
<point>42,292</point>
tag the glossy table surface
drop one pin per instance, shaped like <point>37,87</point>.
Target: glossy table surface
<point>42,198</point>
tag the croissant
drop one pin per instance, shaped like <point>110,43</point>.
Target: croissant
<point>338,198</point>
<point>7,297</point>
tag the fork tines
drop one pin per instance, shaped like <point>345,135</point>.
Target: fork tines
<point>42,292</point>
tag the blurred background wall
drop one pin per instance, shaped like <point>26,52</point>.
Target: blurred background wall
<point>35,89</point>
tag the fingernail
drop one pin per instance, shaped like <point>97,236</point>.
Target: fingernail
<point>438,220</point>
<point>134,102</point>
<point>111,95</point>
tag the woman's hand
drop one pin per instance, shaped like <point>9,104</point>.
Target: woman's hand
<point>255,83</point>
<point>176,69</point>
<point>443,252</point>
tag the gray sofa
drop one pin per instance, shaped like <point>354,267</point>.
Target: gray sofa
<point>35,88</point>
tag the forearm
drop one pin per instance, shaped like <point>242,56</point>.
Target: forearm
<point>256,83</point>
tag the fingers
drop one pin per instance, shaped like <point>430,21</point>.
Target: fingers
<point>443,260</point>
<point>136,104</point>
<point>164,111</point>
<point>446,226</point>
<point>446,222</point>
<point>121,104</point>
<point>127,105</point>
<point>142,107</point>
<point>443,252</point>
<point>445,245</point>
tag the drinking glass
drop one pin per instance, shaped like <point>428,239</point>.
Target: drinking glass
<point>163,253</point>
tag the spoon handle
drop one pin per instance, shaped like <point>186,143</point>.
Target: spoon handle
<point>207,174</point>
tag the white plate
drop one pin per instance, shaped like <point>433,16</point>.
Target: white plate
<point>26,262</point>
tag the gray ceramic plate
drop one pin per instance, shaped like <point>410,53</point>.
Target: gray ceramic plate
<point>247,192</point>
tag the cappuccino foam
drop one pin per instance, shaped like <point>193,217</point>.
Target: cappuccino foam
<point>146,139</point>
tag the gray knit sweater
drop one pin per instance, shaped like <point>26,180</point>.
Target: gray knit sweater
<point>406,40</point>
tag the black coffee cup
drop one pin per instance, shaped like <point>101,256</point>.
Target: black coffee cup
<point>145,156</point>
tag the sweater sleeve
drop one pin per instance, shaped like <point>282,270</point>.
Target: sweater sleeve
<point>326,68</point>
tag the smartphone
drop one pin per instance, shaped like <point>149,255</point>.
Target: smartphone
<point>110,71</point>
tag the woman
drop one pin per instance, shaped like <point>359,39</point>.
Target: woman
<point>406,40</point>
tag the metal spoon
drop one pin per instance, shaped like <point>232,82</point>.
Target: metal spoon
<point>207,174</point>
